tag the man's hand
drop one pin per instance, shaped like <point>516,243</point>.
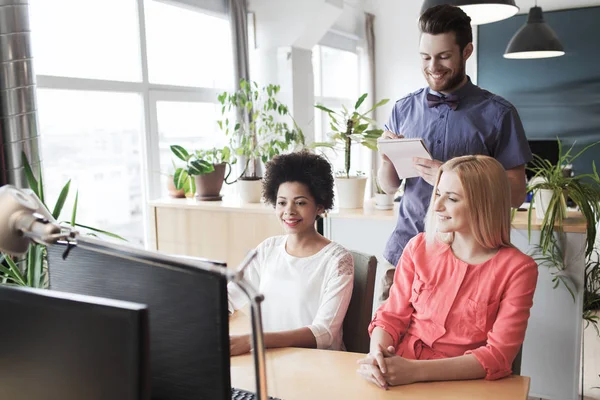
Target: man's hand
<point>427,169</point>
<point>389,135</point>
<point>239,344</point>
<point>373,367</point>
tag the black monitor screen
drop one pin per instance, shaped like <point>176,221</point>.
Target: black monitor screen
<point>546,149</point>
<point>189,325</point>
<point>71,347</point>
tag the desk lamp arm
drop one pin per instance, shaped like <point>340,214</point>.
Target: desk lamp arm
<point>258,343</point>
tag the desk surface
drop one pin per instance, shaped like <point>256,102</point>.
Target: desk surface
<point>299,374</point>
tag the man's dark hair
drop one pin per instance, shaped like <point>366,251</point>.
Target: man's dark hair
<point>444,19</point>
<point>304,167</point>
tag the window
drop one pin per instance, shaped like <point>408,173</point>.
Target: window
<point>116,90</point>
<point>337,85</point>
<point>107,176</point>
<point>188,48</point>
<point>86,39</point>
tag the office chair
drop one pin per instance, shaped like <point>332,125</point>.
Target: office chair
<point>516,365</point>
<point>356,337</point>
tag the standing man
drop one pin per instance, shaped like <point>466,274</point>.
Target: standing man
<point>454,117</point>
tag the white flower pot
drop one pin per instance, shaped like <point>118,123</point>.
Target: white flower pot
<point>384,201</point>
<point>250,190</point>
<point>351,191</point>
<point>542,199</point>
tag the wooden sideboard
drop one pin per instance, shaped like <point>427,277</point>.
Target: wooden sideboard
<point>218,230</point>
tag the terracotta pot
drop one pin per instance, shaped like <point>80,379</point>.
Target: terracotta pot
<point>173,192</point>
<point>208,186</point>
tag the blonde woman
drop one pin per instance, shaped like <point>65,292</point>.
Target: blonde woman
<point>460,301</point>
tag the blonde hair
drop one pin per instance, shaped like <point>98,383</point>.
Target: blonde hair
<point>487,193</point>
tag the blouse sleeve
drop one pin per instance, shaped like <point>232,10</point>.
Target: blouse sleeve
<point>335,300</point>
<point>508,331</point>
<point>236,298</point>
<point>393,316</point>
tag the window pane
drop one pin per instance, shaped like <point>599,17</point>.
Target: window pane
<point>339,73</point>
<point>187,47</point>
<point>93,138</point>
<point>86,39</point>
<point>192,125</point>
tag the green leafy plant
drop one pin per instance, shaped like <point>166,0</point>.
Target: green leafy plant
<point>349,127</point>
<point>583,189</point>
<point>32,269</point>
<point>260,130</point>
<point>591,295</point>
<point>197,162</point>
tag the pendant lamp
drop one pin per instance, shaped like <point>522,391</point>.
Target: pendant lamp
<point>535,39</point>
<point>480,11</point>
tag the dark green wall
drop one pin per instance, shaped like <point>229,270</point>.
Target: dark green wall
<point>556,97</point>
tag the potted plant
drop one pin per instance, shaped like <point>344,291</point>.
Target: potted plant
<point>204,171</point>
<point>383,200</point>
<point>551,188</point>
<point>584,191</point>
<point>32,269</point>
<point>259,132</point>
<point>348,128</point>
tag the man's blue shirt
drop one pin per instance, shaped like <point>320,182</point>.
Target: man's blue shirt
<point>483,123</point>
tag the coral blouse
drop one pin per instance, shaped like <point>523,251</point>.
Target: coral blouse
<point>440,306</point>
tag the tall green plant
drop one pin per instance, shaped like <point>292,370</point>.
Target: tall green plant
<point>583,189</point>
<point>254,120</point>
<point>348,127</point>
<point>32,269</point>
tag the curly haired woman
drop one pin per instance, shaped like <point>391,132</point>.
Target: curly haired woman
<point>306,279</point>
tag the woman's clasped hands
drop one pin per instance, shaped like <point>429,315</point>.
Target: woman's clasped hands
<point>384,368</point>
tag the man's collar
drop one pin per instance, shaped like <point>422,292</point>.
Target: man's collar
<point>463,91</point>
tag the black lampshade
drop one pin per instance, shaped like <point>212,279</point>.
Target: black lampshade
<point>480,11</point>
<point>535,39</point>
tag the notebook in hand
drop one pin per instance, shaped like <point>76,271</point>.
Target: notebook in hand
<point>401,153</point>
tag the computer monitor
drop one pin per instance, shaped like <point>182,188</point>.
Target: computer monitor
<point>189,321</point>
<point>544,148</point>
<point>71,347</point>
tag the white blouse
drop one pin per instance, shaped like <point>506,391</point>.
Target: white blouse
<point>311,292</point>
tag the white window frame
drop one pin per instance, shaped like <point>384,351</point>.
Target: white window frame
<point>151,94</point>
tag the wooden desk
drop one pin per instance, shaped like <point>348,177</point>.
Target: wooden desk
<point>300,374</point>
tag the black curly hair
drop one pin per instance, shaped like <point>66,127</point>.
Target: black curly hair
<point>305,167</point>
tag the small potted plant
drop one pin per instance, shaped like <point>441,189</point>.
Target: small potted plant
<point>383,200</point>
<point>259,133</point>
<point>349,128</point>
<point>204,172</point>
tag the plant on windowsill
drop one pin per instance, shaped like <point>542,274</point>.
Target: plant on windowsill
<point>32,269</point>
<point>348,128</point>
<point>383,200</point>
<point>259,133</point>
<point>204,171</point>
<point>551,188</point>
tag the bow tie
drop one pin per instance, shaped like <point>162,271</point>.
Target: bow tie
<point>434,101</point>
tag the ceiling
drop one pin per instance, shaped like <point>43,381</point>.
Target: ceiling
<point>548,5</point>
